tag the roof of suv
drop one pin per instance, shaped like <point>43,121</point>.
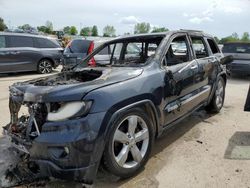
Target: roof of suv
<point>163,34</point>
<point>25,35</point>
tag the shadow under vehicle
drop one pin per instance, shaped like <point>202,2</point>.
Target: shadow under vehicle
<point>111,113</point>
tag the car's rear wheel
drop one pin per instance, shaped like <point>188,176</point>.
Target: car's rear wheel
<point>44,66</point>
<point>129,144</point>
<point>218,98</point>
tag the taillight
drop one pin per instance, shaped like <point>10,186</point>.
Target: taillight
<point>91,47</point>
<point>92,62</point>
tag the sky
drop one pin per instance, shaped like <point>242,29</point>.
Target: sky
<point>218,17</point>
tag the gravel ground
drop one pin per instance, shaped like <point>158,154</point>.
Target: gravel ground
<point>202,151</point>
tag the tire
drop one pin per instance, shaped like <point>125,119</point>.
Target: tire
<point>124,155</point>
<point>44,66</point>
<point>217,101</point>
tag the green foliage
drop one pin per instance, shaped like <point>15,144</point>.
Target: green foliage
<point>142,28</point>
<point>25,27</point>
<point>73,30</point>
<point>217,40</point>
<point>94,31</point>
<point>235,38</point>
<point>109,31</point>
<point>159,29</point>
<point>2,25</point>
<point>86,31</point>
<point>245,37</point>
<point>47,28</point>
<point>66,30</point>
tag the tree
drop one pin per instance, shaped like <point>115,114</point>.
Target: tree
<point>66,30</point>
<point>86,31</point>
<point>217,40</point>
<point>42,28</point>
<point>94,31</point>
<point>142,28</point>
<point>232,38</point>
<point>49,26</point>
<point>73,30</point>
<point>245,37</point>
<point>235,36</point>
<point>159,29</point>
<point>109,31</point>
<point>2,25</point>
<point>26,27</point>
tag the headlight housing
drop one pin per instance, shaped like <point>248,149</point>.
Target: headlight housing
<point>69,110</point>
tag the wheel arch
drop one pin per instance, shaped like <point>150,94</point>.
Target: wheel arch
<point>146,105</point>
<point>222,75</point>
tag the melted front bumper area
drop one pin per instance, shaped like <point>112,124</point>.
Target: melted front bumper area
<point>65,149</point>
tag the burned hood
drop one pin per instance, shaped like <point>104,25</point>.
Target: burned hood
<point>70,86</point>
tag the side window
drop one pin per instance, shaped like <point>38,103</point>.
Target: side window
<point>21,41</point>
<point>2,42</point>
<point>134,50</point>
<point>45,43</point>
<point>178,51</point>
<point>152,49</point>
<point>213,46</point>
<point>199,47</point>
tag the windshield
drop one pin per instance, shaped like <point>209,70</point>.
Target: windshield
<point>130,52</point>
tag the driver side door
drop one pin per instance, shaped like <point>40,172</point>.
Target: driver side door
<point>181,71</point>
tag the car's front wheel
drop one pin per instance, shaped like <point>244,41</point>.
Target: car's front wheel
<point>129,143</point>
<point>44,66</point>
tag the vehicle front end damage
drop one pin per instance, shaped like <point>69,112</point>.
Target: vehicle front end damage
<point>59,139</point>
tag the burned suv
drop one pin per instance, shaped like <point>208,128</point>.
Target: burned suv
<point>110,114</point>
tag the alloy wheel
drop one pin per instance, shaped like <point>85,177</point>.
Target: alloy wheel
<point>130,141</point>
<point>45,67</point>
<point>219,94</point>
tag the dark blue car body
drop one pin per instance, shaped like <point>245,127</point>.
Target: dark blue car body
<point>167,93</point>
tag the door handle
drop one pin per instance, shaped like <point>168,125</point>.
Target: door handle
<point>193,66</point>
<point>15,52</point>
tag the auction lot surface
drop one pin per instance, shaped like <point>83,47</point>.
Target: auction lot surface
<point>202,151</point>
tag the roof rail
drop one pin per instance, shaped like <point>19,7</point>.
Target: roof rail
<point>191,30</point>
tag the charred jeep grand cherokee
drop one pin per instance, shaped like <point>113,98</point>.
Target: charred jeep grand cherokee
<point>110,114</point>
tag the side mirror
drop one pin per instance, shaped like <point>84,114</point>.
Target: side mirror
<point>227,60</point>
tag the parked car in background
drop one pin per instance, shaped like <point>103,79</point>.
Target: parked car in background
<point>241,57</point>
<point>112,113</point>
<point>78,49</point>
<point>25,52</point>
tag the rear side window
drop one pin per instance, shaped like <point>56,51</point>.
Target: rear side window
<point>46,43</point>
<point>213,46</point>
<point>78,46</point>
<point>2,42</point>
<point>20,41</point>
<point>236,48</point>
<point>199,47</point>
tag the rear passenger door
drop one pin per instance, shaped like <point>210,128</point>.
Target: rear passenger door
<point>206,67</point>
